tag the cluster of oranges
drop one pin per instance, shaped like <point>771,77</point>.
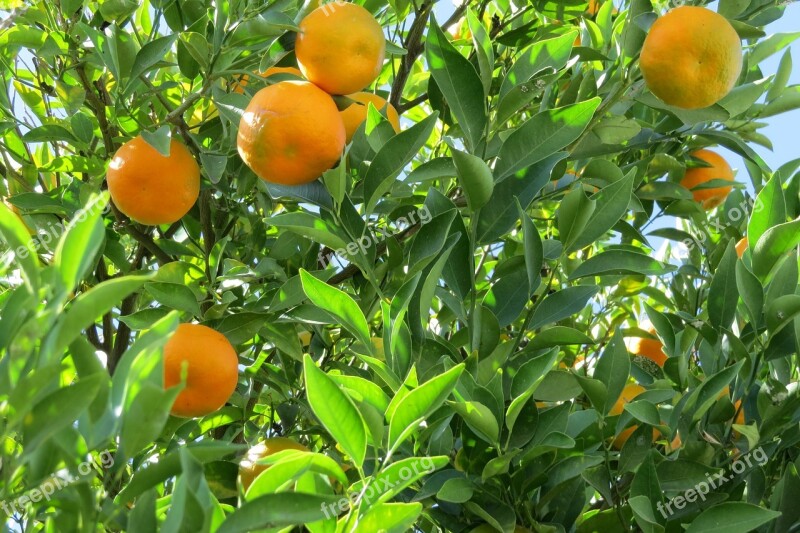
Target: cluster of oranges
<point>292,131</point>
<point>691,59</point>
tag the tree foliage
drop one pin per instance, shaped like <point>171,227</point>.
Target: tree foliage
<point>441,318</point>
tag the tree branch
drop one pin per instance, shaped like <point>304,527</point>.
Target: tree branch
<point>414,48</point>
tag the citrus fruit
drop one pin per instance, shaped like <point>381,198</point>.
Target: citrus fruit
<point>650,348</point>
<point>290,133</point>
<point>739,417</point>
<point>212,369</point>
<point>249,468</point>
<point>741,246</point>
<point>719,170</point>
<point>356,113</point>
<point>305,338</point>
<point>151,188</point>
<point>629,392</point>
<point>340,47</point>
<point>691,57</point>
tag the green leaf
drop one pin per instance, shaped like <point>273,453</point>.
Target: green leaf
<point>541,136</point>
<point>534,255</point>
<point>337,303</point>
<point>309,226</point>
<point>169,465</point>
<point>484,51</point>
<point>613,369</point>
<point>146,415</point>
<point>429,241</point>
<point>456,490</point>
<point>150,54</point>
<point>159,139</point>
<point>479,418</point>
<point>17,238</point>
<point>508,296</point>
<point>643,411</point>
<point>773,245</point>
<point>771,45</point>
<point>396,477</point>
<point>500,214</point>
<point>558,336</point>
<point>621,262</point>
<point>573,215</point>
<point>459,82</point>
<point>703,397</point>
<point>750,290</point>
<point>769,210</point>
<point>280,510</point>
<point>49,133</point>
<point>420,403</point>
<point>88,307</point>
<point>389,518</point>
<point>562,304</point>
<point>722,294</point>
<point>731,517</point>
<point>475,178</point>
<point>610,205</point>
<point>393,157</point>
<point>335,411</point>
<point>59,410</point>
<point>551,54</point>
<point>174,296</point>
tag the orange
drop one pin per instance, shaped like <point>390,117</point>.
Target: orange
<point>150,188</point>
<point>249,468</point>
<point>238,86</point>
<point>650,348</point>
<point>212,369</point>
<point>290,133</point>
<point>355,114</point>
<point>340,47</point>
<point>629,392</point>
<point>741,246</point>
<point>740,417</point>
<point>719,170</point>
<point>691,58</point>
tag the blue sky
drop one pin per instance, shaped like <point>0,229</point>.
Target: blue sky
<point>782,129</point>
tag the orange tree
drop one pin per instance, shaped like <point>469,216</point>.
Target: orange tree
<point>432,322</point>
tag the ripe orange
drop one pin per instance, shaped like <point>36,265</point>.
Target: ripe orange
<point>212,369</point>
<point>355,114</point>
<point>719,169</point>
<point>631,391</point>
<point>150,188</point>
<point>249,468</point>
<point>739,417</point>
<point>741,246</point>
<point>691,57</point>
<point>340,47</point>
<point>290,133</point>
<point>650,348</point>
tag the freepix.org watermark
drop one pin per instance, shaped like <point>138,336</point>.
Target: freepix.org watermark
<point>713,481</point>
<point>104,461</point>
<point>423,216</point>
<point>379,486</point>
<point>734,214</point>
<point>51,232</point>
